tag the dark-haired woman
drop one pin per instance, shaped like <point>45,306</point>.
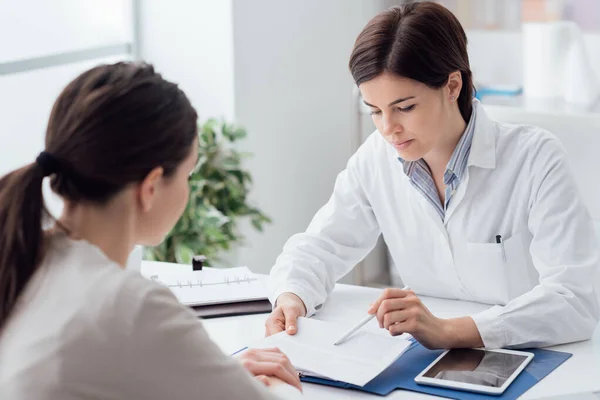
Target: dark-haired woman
<point>469,208</point>
<point>120,145</point>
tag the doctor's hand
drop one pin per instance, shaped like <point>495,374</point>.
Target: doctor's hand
<point>285,315</point>
<point>400,311</point>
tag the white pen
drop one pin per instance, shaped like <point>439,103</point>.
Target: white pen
<point>358,326</point>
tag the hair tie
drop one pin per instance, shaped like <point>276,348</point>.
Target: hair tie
<point>48,163</point>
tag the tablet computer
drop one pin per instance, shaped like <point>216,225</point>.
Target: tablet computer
<point>475,370</point>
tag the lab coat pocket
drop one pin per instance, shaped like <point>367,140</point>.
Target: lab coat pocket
<point>494,273</point>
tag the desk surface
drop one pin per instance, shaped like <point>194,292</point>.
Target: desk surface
<point>579,374</point>
<point>577,379</point>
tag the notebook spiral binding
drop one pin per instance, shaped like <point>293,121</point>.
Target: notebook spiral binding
<point>200,283</point>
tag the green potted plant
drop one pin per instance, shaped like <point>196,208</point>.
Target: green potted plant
<point>219,187</point>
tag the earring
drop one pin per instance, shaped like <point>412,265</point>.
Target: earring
<point>452,98</point>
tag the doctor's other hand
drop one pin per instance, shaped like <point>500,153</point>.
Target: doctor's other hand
<point>400,311</point>
<point>270,366</point>
<point>285,315</point>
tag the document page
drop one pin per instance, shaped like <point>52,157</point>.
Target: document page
<point>357,360</point>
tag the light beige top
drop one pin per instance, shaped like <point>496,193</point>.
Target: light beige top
<point>85,328</point>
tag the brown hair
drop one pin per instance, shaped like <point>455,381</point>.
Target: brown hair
<point>421,41</point>
<point>109,127</point>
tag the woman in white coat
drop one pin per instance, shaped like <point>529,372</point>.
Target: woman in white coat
<point>470,208</point>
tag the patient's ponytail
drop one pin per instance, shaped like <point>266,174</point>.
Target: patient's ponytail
<point>21,237</point>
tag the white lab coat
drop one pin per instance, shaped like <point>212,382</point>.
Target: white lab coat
<point>518,184</point>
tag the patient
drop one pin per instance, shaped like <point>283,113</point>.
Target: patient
<point>120,144</point>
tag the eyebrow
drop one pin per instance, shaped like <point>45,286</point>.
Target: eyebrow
<point>393,102</point>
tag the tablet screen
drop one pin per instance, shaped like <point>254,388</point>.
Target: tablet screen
<point>477,367</point>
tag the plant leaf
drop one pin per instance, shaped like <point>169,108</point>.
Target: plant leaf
<point>219,189</point>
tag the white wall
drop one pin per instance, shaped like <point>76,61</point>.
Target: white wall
<point>191,42</point>
<point>33,28</point>
<point>505,64</point>
<point>293,92</point>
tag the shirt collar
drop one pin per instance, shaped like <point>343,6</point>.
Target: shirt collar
<point>483,147</point>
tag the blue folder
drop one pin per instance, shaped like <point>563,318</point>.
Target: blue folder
<point>401,375</point>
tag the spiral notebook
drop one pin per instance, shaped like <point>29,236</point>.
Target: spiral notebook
<point>210,286</point>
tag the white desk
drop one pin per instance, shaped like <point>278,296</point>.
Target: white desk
<point>579,374</point>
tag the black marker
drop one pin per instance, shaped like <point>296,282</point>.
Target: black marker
<point>198,262</point>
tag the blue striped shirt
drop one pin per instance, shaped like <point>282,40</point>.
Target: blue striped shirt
<point>420,175</point>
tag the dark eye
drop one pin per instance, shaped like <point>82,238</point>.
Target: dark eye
<point>375,112</point>
<point>407,109</point>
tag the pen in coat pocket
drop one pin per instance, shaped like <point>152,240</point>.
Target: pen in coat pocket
<point>501,243</point>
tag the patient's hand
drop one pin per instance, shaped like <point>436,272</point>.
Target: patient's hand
<point>270,366</point>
